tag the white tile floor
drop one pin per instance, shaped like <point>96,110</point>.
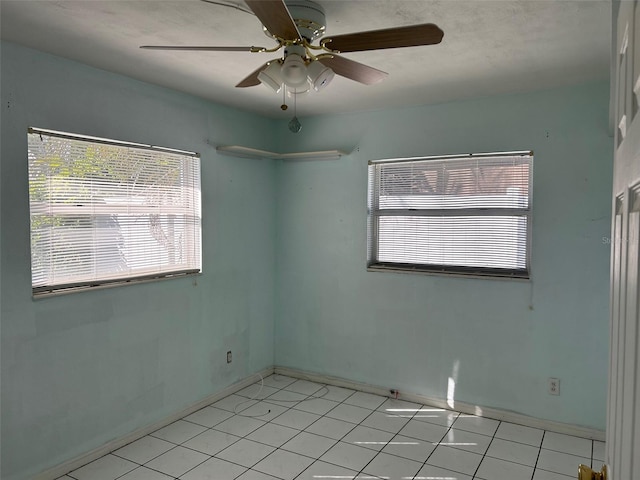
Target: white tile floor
<point>292,434</point>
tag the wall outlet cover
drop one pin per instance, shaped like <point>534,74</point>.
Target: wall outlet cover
<point>553,386</point>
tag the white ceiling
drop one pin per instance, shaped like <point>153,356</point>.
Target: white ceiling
<point>489,47</point>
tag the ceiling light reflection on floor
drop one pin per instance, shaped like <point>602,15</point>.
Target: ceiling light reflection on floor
<point>431,478</point>
<point>387,443</point>
<point>348,477</point>
<point>415,409</point>
<point>370,443</point>
<point>453,443</point>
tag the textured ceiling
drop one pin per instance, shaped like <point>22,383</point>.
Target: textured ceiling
<point>489,47</point>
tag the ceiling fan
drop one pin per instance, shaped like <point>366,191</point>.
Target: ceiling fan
<point>295,25</point>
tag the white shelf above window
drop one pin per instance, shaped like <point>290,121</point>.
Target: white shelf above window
<point>246,152</point>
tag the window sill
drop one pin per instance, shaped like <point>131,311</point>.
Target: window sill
<point>419,271</point>
<point>56,291</point>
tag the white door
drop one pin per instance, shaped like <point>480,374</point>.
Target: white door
<point>623,422</point>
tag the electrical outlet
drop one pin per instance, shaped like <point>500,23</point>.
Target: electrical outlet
<point>554,386</point>
<point>229,356</point>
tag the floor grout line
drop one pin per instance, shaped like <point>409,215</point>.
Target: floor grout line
<point>485,452</point>
<point>293,410</point>
<point>535,466</point>
<point>439,441</point>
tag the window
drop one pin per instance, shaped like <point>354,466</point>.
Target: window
<point>107,212</point>
<point>463,214</point>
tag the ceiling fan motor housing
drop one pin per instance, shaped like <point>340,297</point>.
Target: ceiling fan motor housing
<point>308,16</point>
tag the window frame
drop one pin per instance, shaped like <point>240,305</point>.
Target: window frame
<point>127,278</point>
<point>374,213</point>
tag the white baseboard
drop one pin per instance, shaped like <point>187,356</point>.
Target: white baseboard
<point>487,412</point>
<point>75,463</point>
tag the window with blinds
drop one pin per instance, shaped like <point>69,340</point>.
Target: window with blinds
<point>105,212</point>
<point>466,214</point>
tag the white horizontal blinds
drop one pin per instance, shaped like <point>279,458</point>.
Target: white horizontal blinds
<point>493,182</point>
<point>102,212</point>
<point>495,242</point>
<point>462,214</point>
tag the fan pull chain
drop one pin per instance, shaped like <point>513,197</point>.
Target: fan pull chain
<point>284,97</point>
<point>294,125</point>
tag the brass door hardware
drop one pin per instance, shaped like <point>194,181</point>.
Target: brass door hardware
<point>586,473</point>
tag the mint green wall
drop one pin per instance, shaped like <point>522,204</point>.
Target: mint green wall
<point>413,332</point>
<point>286,243</point>
<point>81,369</point>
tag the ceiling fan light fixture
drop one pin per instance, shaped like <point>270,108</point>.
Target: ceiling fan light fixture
<point>319,75</point>
<point>271,76</point>
<point>294,71</point>
<point>298,91</point>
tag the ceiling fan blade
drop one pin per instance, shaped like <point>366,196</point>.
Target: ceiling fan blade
<point>275,15</point>
<point>352,70</point>
<point>410,36</point>
<point>252,79</point>
<point>199,49</point>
